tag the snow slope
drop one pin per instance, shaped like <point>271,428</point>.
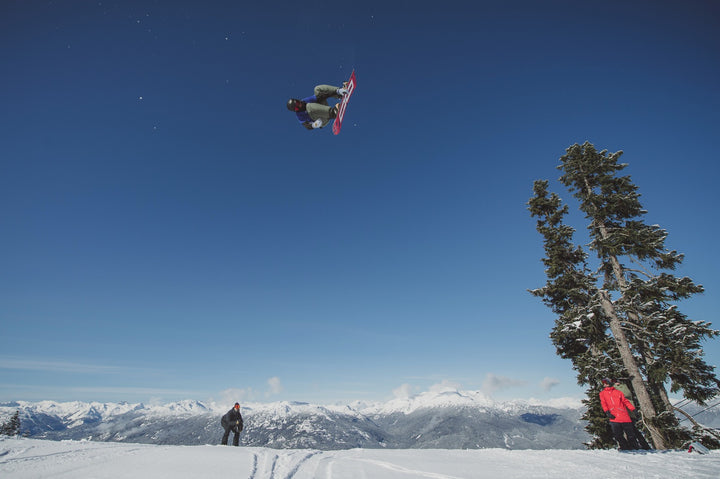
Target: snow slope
<point>31,458</point>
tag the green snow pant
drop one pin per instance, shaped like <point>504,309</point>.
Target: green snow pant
<point>321,110</point>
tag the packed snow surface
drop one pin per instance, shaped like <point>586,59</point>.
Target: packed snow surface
<point>33,458</point>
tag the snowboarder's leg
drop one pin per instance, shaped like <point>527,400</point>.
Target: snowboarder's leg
<point>236,437</point>
<point>225,436</point>
<point>629,430</point>
<point>323,92</point>
<point>641,439</point>
<point>617,431</point>
<point>319,112</point>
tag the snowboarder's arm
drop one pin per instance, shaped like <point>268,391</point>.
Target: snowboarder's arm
<point>311,125</point>
<point>603,402</point>
<point>626,402</point>
<point>303,117</point>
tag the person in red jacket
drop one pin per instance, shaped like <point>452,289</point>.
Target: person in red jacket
<point>616,406</point>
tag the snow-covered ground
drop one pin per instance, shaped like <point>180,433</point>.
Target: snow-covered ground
<point>32,458</point>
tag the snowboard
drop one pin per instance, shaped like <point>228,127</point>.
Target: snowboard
<point>699,448</point>
<point>337,124</point>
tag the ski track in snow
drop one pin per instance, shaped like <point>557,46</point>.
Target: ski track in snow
<point>410,472</point>
<point>294,470</point>
<point>39,459</point>
<point>269,464</point>
<point>253,472</point>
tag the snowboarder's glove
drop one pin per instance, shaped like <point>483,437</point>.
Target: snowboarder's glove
<point>609,415</point>
<point>342,91</point>
<point>317,123</point>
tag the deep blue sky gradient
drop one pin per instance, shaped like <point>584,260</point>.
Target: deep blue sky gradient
<point>168,230</point>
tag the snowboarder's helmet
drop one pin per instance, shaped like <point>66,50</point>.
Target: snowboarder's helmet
<point>237,405</point>
<point>607,382</point>
<point>294,104</point>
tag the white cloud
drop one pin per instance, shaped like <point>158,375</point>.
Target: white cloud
<point>403,392</point>
<point>549,383</point>
<point>445,385</point>
<point>233,395</point>
<point>274,385</point>
<point>22,364</point>
<point>494,383</point>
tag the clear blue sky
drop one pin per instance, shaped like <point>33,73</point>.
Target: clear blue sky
<point>168,230</point>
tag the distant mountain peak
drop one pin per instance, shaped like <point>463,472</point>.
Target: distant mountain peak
<point>440,418</point>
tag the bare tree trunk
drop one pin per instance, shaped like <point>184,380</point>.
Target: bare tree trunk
<point>645,402</point>
<point>666,399</point>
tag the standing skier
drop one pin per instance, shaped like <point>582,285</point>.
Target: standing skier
<point>622,387</point>
<point>616,406</point>
<point>314,112</point>
<point>232,421</point>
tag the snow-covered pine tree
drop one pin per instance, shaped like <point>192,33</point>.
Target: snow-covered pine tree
<point>580,332</point>
<point>636,293</point>
<point>12,427</point>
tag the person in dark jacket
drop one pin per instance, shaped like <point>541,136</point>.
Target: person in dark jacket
<point>232,421</point>
<point>616,406</point>
<point>314,112</point>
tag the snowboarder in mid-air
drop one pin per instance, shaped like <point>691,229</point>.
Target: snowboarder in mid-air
<point>232,421</point>
<point>314,112</point>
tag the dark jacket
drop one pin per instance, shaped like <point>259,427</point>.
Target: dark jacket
<point>232,419</point>
<point>303,116</point>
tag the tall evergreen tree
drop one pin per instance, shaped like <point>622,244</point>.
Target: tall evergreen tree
<point>580,330</point>
<point>640,331</point>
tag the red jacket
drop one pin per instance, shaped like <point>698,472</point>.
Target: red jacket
<point>616,403</point>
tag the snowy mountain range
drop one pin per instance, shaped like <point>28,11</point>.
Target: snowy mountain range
<point>441,419</point>
<point>445,419</point>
